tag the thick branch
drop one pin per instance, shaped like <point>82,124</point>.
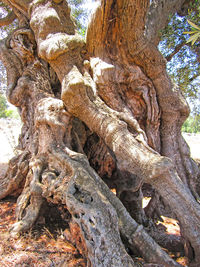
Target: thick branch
<point>110,16</point>
<point>87,197</point>
<point>8,19</point>
<point>158,16</point>
<point>196,50</point>
<point>131,154</point>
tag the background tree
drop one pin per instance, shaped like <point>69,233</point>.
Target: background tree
<point>96,115</point>
<point>3,106</point>
<point>5,112</point>
<point>192,124</point>
<point>182,56</point>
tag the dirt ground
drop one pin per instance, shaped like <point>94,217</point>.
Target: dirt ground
<point>193,141</point>
<point>9,133</point>
<point>47,244</point>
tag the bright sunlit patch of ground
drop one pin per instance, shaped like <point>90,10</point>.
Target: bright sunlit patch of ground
<point>194,142</point>
<point>145,201</point>
<point>172,225</point>
<point>113,190</point>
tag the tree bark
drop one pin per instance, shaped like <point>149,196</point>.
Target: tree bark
<point>105,109</point>
<point>8,19</point>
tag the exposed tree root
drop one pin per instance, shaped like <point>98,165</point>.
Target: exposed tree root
<point>13,182</point>
<point>30,201</point>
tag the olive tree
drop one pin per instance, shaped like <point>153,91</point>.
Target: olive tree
<point>97,115</point>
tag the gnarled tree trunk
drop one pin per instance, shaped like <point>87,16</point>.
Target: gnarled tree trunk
<point>97,113</point>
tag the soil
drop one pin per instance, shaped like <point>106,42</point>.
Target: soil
<point>193,141</point>
<point>48,243</point>
<point>9,133</point>
<point>45,245</point>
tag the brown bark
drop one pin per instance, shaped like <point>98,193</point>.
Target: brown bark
<point>106,108</point>
<point>8,19</point>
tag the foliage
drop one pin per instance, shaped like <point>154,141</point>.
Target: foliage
<point>80,14</point>
<point>192,124</point>
<point>195,33</point>
<point>5,112</point>
<point>184,65</point>
<point>3,106</point>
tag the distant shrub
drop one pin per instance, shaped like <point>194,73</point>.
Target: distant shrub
<point>5,112</point>
<point>3,106</point>
<point>192,124</point>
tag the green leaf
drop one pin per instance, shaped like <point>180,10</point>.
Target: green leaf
<point>190,32</point>
<point>193,25</point>
<point>194,38</point>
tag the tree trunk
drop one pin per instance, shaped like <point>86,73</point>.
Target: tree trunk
<point>99,113</point>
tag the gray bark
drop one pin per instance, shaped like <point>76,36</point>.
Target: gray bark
<point>159,14</point>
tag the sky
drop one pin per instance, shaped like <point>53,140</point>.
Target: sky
<point>90,4</point>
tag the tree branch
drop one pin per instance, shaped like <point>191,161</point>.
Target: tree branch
<point>8,19</point>
<point>110,16</point>
<point>176,50</point>
<point>158,16</point>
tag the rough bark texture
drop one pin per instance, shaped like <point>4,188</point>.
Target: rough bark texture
<point>97,113</point>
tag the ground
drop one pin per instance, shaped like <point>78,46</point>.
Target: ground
<point>48,243</point>
<point>194,142</point>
